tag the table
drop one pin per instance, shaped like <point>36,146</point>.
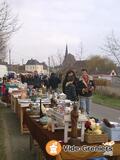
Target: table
<point>21,106</point>
<point>42,136</point>
<point>14,96</point>
<point>57,117</point>
<point>21,109</point>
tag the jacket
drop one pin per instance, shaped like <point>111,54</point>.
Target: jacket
<point>70,92</point>
<point>85,89</point>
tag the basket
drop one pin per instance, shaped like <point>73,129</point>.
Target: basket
<point>93,138</point>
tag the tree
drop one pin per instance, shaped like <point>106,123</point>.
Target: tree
<point>100,65</point>
<point>8,25</point>
<point>112,47</point>
<point>56,61</point>
<point>79,55</point>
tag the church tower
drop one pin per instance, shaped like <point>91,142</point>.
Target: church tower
<point>66,51</point>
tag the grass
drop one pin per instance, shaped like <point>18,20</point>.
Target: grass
<point>2,147</point>
<point>106,100</point>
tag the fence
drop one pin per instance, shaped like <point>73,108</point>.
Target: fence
<point>116,81</point>
<point>109,91</point>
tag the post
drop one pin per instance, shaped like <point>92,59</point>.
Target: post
<point>48,65</point>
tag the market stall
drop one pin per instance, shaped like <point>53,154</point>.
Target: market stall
<point>42,136</point>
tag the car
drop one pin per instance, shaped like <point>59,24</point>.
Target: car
<point>12,74</point>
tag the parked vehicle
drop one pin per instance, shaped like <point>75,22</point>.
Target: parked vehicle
<point>12,74</point>
<point>3,71</point>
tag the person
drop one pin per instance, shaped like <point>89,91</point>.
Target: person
<point>36,80</point>
<point>45,81</point>
<point>70,73</point>
<point>70,89</point>
<point>4,91</point>
<point>29,80</point>
<point>86,86</point>
<point>53,82</point>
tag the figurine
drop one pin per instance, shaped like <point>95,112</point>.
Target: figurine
<point>74,120</point>
<point>53,103</point>
<point>41,112</point>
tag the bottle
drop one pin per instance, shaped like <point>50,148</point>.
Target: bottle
<point>41,113</point>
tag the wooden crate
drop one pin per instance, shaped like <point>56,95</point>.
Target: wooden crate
<point>93,138</point>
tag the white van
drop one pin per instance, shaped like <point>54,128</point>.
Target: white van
<point>3,70</point>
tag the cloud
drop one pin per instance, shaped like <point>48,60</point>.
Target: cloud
<point>49,24</point>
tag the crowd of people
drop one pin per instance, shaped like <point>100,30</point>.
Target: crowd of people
<point>76,89</point>
<point>36,80</point>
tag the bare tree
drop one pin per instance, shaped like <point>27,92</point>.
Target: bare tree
<point>112,47</point>
<point>79,55</point>
<point>53,61</point>
<point>59,58</point>
<point>56,61</point>
<point>8,25</point>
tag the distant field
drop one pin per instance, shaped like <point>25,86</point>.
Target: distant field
<point>106,101</point>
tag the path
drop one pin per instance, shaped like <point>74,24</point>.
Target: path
<point>105,112</point>
<point>17,145</point>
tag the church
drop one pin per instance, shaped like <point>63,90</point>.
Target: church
<point>70,62</point>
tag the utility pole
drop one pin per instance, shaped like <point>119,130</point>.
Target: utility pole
<point>22,61</point>
<point>10,62</point>
<point>9,56</point>
<point>49,66</point>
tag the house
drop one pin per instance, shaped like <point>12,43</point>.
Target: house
<point>113,73</point>
<point>34,65</point>
<point>45,68</point>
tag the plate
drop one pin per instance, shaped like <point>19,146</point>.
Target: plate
<point>35,116</point>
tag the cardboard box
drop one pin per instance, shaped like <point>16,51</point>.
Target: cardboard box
<point>113,133</point>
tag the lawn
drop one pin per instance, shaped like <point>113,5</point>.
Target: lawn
<point>2,148</point>
<point>106,100</point>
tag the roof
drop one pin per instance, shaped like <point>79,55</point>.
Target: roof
<point>80,64</point>
<point>33,62</point>
<point>69,60</point>
<point>44,65</point>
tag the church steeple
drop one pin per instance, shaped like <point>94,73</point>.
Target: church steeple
<point>66,51</point>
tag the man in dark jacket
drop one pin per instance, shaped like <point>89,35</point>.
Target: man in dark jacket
<point>54,81</point>
<point>36,80</point>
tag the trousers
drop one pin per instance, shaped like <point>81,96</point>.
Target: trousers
<point>85,103</point>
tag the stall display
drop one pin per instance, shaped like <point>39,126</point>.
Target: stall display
<point>61,118</point>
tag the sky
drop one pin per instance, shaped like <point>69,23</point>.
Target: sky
<point>48,25</point>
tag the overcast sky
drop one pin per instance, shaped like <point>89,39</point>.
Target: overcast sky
<point>47,25</point>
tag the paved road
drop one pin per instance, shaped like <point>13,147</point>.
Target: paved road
<point>16,145</point>
<point>105,112</point>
